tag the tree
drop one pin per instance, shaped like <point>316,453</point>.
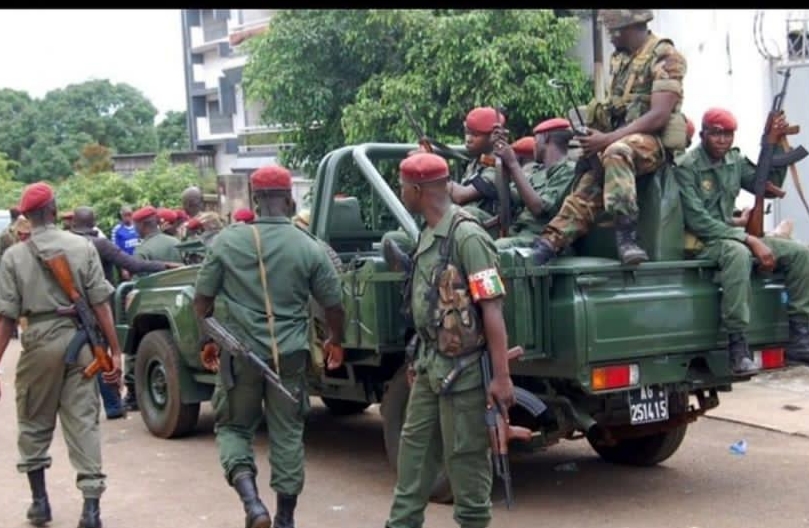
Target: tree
<point>172,132</point>
<point>10,189</point>
<point>349,72</point>
<point>94,158</point>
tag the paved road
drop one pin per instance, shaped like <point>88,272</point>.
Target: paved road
<point>164,484</point>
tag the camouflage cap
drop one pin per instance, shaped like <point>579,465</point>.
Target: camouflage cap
<point>211,221</point>
<point>621,18</point>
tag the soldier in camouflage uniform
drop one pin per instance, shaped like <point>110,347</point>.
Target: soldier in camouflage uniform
<point>640,122</point>
<point>448,430</point>
<point>710,177</point>
<point>47,387</point>
<point>295,267</point>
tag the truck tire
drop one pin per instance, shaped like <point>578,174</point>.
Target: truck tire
<point>393,410</point>
<point>344,407</point>
<point>157,381</point>
<point>644,451</point>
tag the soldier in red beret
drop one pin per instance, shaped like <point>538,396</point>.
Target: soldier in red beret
<point>292,267</point>
<point>524,149</point>
<point>167,219</point>
<point>51,387</point>
<point>244,215</point>
<point>710,177</point>
<point>154,245</point>
<point>476,299</point>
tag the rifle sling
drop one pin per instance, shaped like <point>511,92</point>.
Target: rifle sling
<point>276,356</point>
<point>793,170</point>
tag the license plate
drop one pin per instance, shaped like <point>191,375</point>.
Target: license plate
<point>648,404</point>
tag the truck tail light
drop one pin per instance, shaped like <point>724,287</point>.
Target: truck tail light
<point>769,358</point>
<point>614,377</point>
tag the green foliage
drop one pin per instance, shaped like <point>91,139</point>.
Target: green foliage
<point>94,158</point>
<point>172,132</point>
<point>349,71</point>
<point>10,189</point>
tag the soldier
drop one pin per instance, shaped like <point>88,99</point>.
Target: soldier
<point>455,240</point>
<point>211,224</point>
<point>244,215</point>
<point>641,121</point>
<point>710,177</point>
<point>8,236</point>
<point>299,268</point>
<point>179,224</point>
<point>45,385</point>
<point>67,220</point>
<point>544,188</point>
<point>155,245</point>
<point>192,201</point>
<point>168,221</point>
<point>524,149</point>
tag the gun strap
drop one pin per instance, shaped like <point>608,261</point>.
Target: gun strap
<point>276,356</point>
<point>793,170</point>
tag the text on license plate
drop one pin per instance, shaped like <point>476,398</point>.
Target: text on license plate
<point>648,404</point>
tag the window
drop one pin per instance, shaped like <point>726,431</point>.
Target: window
<point>213,29</point>
<point>219,123</point>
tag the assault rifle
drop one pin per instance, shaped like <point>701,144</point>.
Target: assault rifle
<point>591,162</point>
<point>228,343</point>
<point>767,160</point>
<point>429,144</point>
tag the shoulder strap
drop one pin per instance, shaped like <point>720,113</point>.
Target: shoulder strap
<point>446,246</point>
<point>267,301</point>
<point>642,57</point>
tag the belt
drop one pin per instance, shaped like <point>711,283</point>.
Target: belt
<point>43,317</point>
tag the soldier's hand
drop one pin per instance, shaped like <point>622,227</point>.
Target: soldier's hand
<point>743,218</point>
<point>594,142</point>
<point>334,354</point>
<point>209,356</point>
<point>173,265</point>
<point>114,376</point>
<point>766,259</point>
<point>778,128</point>
<point>504,151</point>
<point>501,394</point>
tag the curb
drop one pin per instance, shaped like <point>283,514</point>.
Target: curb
<point>757,426</point>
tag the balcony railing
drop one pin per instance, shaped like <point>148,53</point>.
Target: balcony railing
<point>797,40</point>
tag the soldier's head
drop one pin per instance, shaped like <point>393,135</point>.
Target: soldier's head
<point>167,220</point>
<point>84,219</point>
<point>478,126</point>
<point>551,138</point>
<point>125,214</point>
<point>14,212</point>
<point>423,179</point>
<point>718,131</point>
<point>272,191</point>
<point>146,220</point>
<point>192,201</point>
<point>626,27</point>
<point>67,220</point>
<point>38,204</point>
<point>524,149</point>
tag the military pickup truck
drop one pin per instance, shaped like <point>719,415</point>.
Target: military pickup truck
<point>624,357</point>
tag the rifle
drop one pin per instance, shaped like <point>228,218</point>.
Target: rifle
<point>767,160</point>
<point>88,331</point>
<point>429,144</point>
<point>228,343</point>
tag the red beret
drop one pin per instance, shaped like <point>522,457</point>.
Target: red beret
<point>524,147</point>
<point>244,215</point>
<point>271,177</point>
<point>182,216</point>
<point>423,167</point>
<point>194,223</point>
<point>34,196</point>
<point>483,119</point>
<point>719,118</point>
<point>167,215</point>
<point>689,128</point>
<point>143,213</point>
<point>549,125</point>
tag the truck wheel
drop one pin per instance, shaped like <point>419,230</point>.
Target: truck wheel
<point>344,407</point>
<point>644,451</point>
<point>157,381</point>
<point>393,409</point>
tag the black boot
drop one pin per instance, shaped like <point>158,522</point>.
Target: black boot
<point>256,514</point>
<point>131,398</point>
<point>626,239</point>
<point>545,252</point>
<point>396,259</point>
<point>740,362</point>
<point>798,348</point>
<point>39,513</point>
<point>285,511</point>
<point>90,514</point>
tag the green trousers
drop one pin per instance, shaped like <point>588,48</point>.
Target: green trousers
<point>47,388</point>
<point>443,431</point>
<point>735,265</point>
<point>239,411</point>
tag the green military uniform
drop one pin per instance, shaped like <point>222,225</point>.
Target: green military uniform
<point>159,246</point>
<point>447,430</point>
<point>297,268</point>
<point>708,194</point>
<point>482,177</point>
<point>45,385</point>
<point>552,185</point>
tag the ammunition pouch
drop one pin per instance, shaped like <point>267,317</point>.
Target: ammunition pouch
<point>692,245</point>
<point>674,136</point>
<point>598,116</point>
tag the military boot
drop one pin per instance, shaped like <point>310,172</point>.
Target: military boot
<point>39,513</point>
<point>396,259</point>
<point>798,348</point>
<point>740,362</point>
<point>131,398</point>
<point>90,514</point>
<point>256,514</point>
<point>626,234</point>
<point>285,511</point>
<point>545,252</point>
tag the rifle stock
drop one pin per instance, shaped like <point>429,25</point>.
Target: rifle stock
<point>60,268</point>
